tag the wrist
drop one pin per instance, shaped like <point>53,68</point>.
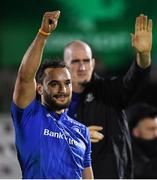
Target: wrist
<point>43,33</point>
<point>144,59</point>
<point>144,54</point>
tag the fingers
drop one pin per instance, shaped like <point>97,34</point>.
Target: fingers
<point>97,128</point>
<point>137,24</point>
<point>94,134</point>
<point>50,20</point>
<point>142,23</point>
<point>132,38</point>
<point>94,140</point>
<point>52,16</point>
<point>150,25</point>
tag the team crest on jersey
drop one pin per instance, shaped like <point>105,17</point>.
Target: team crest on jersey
<point>76,128</point>
<point>89,97</point>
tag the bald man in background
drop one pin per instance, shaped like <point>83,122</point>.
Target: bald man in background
<point>99,102</point>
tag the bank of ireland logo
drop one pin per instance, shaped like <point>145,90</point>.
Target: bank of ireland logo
<point>76,128</point>
<point>66,133</point>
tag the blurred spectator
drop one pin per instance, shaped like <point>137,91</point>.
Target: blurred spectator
<point>7,79</point>
<point>143,127</point>
<point>9,166</point>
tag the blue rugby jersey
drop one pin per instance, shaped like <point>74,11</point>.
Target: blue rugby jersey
<point>47,147</point>
<point>72,109</point>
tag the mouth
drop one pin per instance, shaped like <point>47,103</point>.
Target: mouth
<point>81,74</point>
<point>61,98</point>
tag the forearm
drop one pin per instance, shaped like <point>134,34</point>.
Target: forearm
<point>25,87</point>
<point>143,60</point>
<point>88,173</point>
<point>32,58</point>
<point>133,80</point>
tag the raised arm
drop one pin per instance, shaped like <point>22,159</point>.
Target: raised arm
<point>142,40</point>
<point>25,86</point>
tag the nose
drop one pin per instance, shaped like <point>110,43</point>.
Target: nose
<point>82,66</point>
<point>62,88</point>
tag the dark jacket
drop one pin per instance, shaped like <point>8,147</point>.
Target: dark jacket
<point>145,158</point>
<point>102,104</point>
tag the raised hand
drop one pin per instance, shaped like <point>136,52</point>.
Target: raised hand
<point>49,21</point>
<point>142,39</point>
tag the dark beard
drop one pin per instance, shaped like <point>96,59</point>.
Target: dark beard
<point>149,146</point>
<point>52,105</point>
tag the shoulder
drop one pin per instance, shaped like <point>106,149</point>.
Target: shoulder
<point>22,115</point>
<point>30,106</point>
<point>75,125</point>
<point>101,80</point>
<point>75,122</point>
<point>99,86</point>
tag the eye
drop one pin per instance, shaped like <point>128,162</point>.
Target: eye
<point>86,60</point>
<point>68,83</point>
<point>53,83</point>
<point>75,61</point>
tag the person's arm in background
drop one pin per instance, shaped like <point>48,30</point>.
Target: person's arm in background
<point>140,69</point>
<point>95,133</point>
<point>88,173</point>
<point>142,40</point>
<point>25,87</point>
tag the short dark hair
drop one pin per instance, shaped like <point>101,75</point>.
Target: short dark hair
<point>48,63</point>
<point>138,112</point>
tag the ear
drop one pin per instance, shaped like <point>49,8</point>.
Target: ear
<point>93,60</point>
<point>135,132</point>
<point>39,88</point>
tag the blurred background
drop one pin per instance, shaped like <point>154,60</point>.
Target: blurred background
<point>104,24</point>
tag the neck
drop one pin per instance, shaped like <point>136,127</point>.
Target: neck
<point>59,111</point>
<point>77,88</point>
<point>52,109</point>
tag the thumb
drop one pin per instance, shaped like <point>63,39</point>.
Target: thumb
<point>132,39</point>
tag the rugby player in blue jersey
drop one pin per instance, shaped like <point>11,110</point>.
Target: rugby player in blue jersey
<point>49,143</point>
